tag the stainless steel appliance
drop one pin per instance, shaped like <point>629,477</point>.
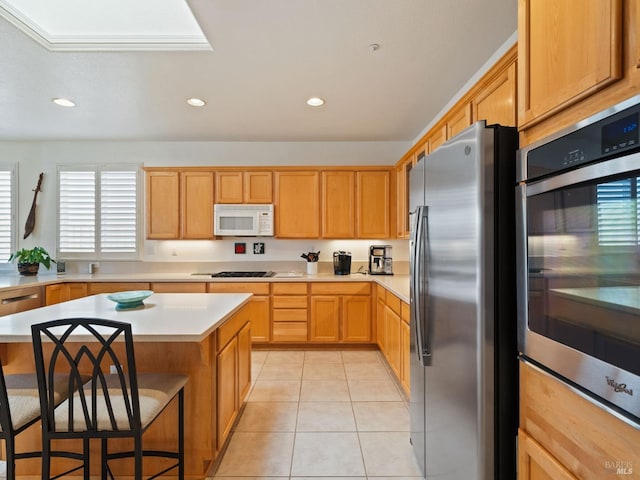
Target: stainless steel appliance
<point>464,391</point>
<point>243,219</point>
<point>579,256</point>
<point>342,263</point>
<point>381,260</point>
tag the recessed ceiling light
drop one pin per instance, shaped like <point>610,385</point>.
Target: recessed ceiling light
<point>63,102</point>
<point>315,101</point>
<point>196,102</point>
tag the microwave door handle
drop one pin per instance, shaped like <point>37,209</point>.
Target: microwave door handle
<point>420,284</point>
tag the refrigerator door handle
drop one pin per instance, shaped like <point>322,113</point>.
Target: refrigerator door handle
<point>419,287</point>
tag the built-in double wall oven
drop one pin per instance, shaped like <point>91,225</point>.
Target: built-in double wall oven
<point>578,261</point>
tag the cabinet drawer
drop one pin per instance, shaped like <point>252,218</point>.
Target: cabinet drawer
<point>393,302</point>
<point>232,326</point>
<point>290,315</point>
<point>179,287</point>
<point>289,301</point>
<point>293,288</point>
<point>289,331</point>
<point>235,287</point>
<point>111,287</point>
<point>20,299</point>
<point>340,288</point>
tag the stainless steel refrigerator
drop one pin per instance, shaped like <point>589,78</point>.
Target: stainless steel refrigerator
<point>464,388</point>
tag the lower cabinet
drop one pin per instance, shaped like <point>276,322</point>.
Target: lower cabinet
<point>340,312</point>
<point>405,347</point>
<point>289,314</point>
<point>233,371</point>
<point>63,292</point>
<point>258,305</point>
<point>95,288</point>
<point>179,287</point>
<point>535,463</point>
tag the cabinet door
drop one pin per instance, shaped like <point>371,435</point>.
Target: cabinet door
<point>373,204</point>
<point>535,463</point>
<point>458,120</point>
<point>163,205</point>
<point>566,51</point>
<point>405,345</point>
<point>436,139</point>
<point>259,311</point>
<point>244,362</point>
<point>496,103</point>
<point>55,294</point>
<point>381,324</point>
<point>356,318</point>
<point>95,288</point>
<point>338,205</point>
<point>196,205</point>
<point>258,187</point>
<point>325,318</point>
<point>229,187</point>
<point>392,324</point>
<point>76,290</point>
<point>402,187</point>
<point>297,204</point>
<point>179,287</point>
<point>227,381</point>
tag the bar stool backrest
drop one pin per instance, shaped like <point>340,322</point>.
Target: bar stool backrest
<point>103,351</point>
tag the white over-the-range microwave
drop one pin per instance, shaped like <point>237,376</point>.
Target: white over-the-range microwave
<point>243,220</point>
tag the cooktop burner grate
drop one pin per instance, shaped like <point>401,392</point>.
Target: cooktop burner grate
<point>241,274</point>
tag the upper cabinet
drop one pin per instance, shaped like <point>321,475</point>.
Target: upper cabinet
<point>297,204</point>
<point>567,50</point>
<point>244,187</point>
<point>338,204</point>
<point>163,205</point>
<point>179,205</point>
<point>496,103</point>
<point>458,120</point>
<point>373,204</point>
<point>403,170</point>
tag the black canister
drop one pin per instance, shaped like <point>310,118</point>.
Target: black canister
<point>342,263</point>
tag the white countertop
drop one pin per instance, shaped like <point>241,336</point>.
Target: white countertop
<point>165,317</point>
<point>397,284</point>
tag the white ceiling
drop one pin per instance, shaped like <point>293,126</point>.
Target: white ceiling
<point>268,57</point>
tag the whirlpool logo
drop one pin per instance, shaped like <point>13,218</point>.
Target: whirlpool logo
<point>619,387</point>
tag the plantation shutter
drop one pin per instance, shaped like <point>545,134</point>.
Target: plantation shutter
<point>6,214</point>
<point>617,213</point>
<point>118,212</point>
<point>77,211</point>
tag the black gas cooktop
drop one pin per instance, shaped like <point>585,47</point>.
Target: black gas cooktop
<point>241,274</point>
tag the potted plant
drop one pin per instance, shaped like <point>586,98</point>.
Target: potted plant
<point>29,260</point>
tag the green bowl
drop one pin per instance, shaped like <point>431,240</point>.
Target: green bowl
<point>131,299</point>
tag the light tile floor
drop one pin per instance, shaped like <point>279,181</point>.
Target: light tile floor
<point>321,414</point>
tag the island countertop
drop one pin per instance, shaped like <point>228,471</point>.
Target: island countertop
<point>172,317</point>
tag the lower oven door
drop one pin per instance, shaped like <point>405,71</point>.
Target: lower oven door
<point>579,278</point>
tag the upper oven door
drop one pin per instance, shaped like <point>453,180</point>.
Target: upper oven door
<point>579,271</point>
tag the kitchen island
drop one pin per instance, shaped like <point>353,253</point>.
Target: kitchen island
<point>205,336</point>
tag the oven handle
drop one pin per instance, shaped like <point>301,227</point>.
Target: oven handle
<point>614,166</point>
<point>522,270</point>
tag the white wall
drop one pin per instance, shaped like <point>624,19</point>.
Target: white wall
<point>36,157</point>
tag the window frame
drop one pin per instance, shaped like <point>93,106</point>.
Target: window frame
<point>98,254</point>
<point>13,236</point>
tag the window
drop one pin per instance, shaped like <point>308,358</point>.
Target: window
<point>7,212</point>
<point>98,212</point>
<point>618,215</point>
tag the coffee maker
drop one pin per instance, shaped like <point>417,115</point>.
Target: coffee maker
<point>380,260</point>
<point>342,263</point>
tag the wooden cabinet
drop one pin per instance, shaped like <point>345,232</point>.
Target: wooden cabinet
<point>436,138</point>
<point>496,102</point>
<point>289,312</point>
<point>338,204</point>
<point>567,51</point>
<point>392,325</point>
<point>458,120</point>
<point>535,463</point>
<point>373,204</point>
<point>233,369</point>
<point>196,205</point>
<point>297,204</point>
<point>340,312</point>
<point>259,311</point>
<point>179,204</point>
<point>163,205</point>
<point>179,287</point>
<point>563,435</point>
<point>405,347</point>
<point>244,187</point>
<point>403,171</point>
<point>381,329</point>
<point>95,288</point>
<point>63,292</point>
